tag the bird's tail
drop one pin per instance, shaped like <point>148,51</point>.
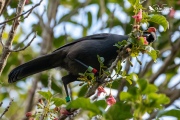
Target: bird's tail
<point>35,66</point>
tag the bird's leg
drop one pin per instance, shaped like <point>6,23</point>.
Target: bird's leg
<point>66,80</point>
<point>89,68</point>
<point>70,78</point>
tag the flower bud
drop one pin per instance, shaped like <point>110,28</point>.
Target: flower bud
<point>28,114</point>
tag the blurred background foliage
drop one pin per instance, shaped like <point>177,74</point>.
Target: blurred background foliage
<point>58,22</point>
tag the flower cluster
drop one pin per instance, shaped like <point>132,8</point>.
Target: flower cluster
<point>43,109</point>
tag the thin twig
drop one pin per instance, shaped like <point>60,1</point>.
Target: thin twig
<point>7,108</point>
<point>49,81</point>
<point>30,10</point>
<point>173,66</point>
<point>5,6</point>
<point>1,104</point>
<point>175,85</point>
<point>26,38</point>
<point>65,33</point>
<point>26,45</point>
<point>111,19</point>
<point>3,27</point>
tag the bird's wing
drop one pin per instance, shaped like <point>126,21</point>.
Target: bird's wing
<point>91,37</point>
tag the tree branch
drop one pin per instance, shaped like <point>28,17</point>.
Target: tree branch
<point>173,66</point>
<point>8,44</point>
<point>17,16</point>
<point>174,51</point>
<point>142,73</point>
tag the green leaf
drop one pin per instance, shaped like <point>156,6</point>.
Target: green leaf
<point>173,112</point>
<point>153,55</point>
<point>163,99</point>
<point>83,91</point>
<point>123,73</point>
<point>161,20</point>
<point>121,44</point>
<point>150,89</point>
<point>58,101</point>
<point>142,84</point>
<point>128,78</point>
<point>125,96</point>
<point>134,2</point>
<point>134,91</point>
<point>119,67</point>
<point>47,95</point>
<point>157,100</point>
<point>89,19</point>
<point>85,104</point>
<point>134,76</point>
<point>141,41</point>
<point>119,111</point>
<point>101,104</point>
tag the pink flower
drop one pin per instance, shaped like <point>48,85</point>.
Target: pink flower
<point>171,13</point>
<point>101,90</point>
<point>110,100</point>
<point>55,118</point>
<point>143,39</point>
<point>138,17</point>
<point>63,111</point>
<point>27,2</point>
